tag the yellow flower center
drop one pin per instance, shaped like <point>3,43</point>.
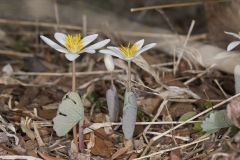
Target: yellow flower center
<point>129,51</point>
<point>74,44</point>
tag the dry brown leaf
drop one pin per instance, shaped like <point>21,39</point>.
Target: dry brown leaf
<point>120,152</point>
<point>150,104</point>
<point>45,156</point>
<point>103,145</point>
<point>178,109</point>
<point>133,156</point>
<point>175,155</point>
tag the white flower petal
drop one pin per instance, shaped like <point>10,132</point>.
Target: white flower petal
<point>233,45</point>
<point>117,51</point>
<point>145,48</point>
<point>53,44</point>
<point>88,39</point>
<point>72,56</point>
<point>111,53</point>
<point>139,44</point>
<point>61,38</point>
<point>90,51</point>
<point>233,34</point>
<point>96,46</point>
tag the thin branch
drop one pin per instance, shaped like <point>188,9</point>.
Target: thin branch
<point>74,27</point>
<point>175,5</point>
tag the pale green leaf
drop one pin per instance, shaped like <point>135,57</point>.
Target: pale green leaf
<point>216,121</point>
<point>70,112</point>
<point>187,116</point>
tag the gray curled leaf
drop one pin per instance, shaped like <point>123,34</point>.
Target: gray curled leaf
<point>112,103</point>
<point>70,112</point>
<point>129,114</point>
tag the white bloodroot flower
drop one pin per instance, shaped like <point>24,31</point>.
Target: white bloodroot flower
<point>129,52</point>
<point>233,44</point>
<point>109,63</point>
<point>73,46</point>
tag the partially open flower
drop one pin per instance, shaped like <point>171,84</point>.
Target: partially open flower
<point>128,52</point>
<point>73,46</point>
<point>233,44</point>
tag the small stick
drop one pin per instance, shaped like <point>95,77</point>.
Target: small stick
<point>194,100</point>
<point>152,123</point>
<point>16,54</point>
<point>220,87</point>
<point>198,75</point>
<point>56,14</point>
<point>173,5</point>
<point>84,27</point>
<point>75,137</point>
<point>169,135</point>
<point>190,119</point>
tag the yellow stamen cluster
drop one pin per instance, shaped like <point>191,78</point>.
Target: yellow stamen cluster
<point>74,44</point>
<point>129,51</point>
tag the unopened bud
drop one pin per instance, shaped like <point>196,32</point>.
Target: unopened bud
<point>109,63</point>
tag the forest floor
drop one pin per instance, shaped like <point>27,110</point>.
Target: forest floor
<point>175,96</point>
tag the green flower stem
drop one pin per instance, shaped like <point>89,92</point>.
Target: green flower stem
<point>112,79</point>
<point>75,139</point>
<point>129,76</point>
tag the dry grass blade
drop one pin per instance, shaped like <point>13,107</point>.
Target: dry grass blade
<point>184,46</point>
<point>199,75</point>
<point>78,74</point>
